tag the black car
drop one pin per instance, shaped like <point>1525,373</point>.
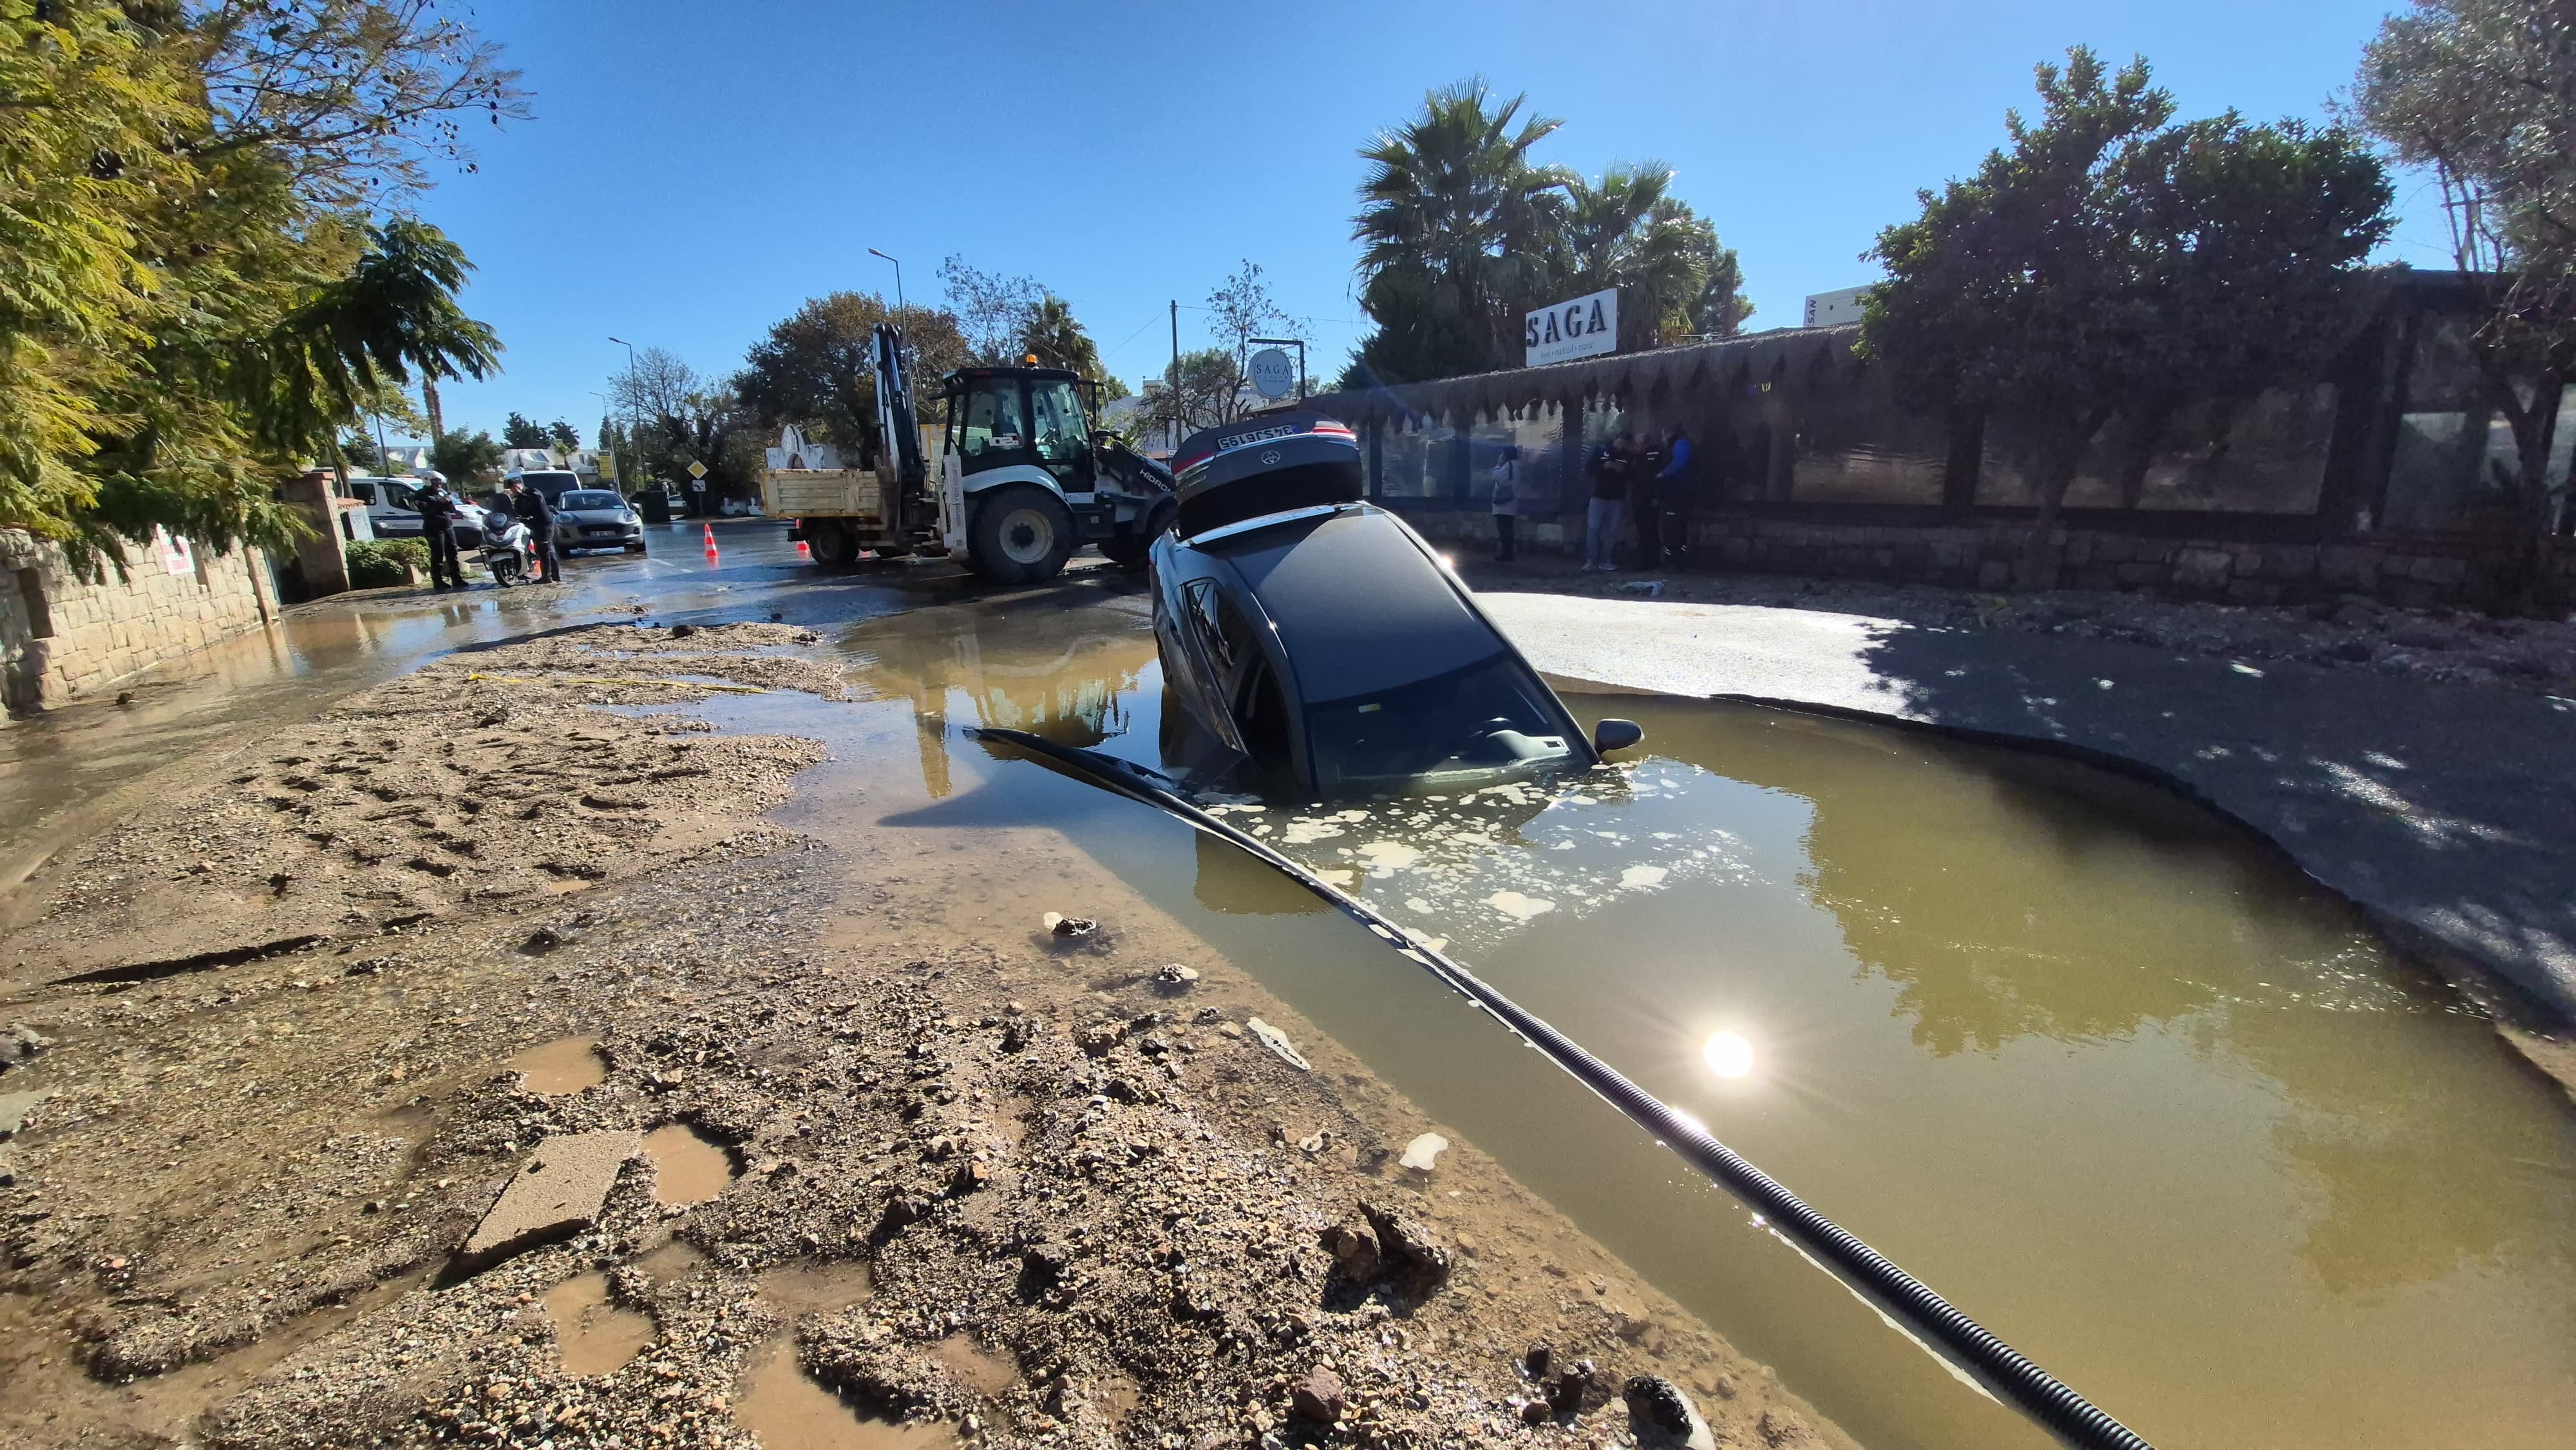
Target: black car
<point>1314,646</point>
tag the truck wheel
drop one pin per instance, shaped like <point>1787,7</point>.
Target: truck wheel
<point>1136,545</point>
<point>831,543</point>
<point>1021,533</point>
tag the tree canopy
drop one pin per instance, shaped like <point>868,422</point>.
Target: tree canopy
<point>2483,94</point>
<point>198,301</point>
<point>1463,230</point>
<point>817,366</point>
<point>2106,258</point>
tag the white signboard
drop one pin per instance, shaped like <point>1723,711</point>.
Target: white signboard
<point>1585,327</point>
<point>1273,372</point>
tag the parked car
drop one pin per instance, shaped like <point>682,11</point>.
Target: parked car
<point>551,483</point>
<point>393,510</point>
<point>596,518</point>
<point>1315,647</point>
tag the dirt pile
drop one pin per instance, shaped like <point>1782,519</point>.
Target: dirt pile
<point>1018,1195</point>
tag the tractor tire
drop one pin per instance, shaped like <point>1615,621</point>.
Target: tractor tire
<point>1021,533</point>
<point>1135,546</point>
<point>892,551</point>
<point>831,543</point>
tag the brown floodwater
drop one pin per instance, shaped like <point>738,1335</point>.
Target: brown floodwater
<point>593,1335</point>
<point>686,1168</point>
<point>788,1410</point>
<point>565,1065</point>
<point>2100,1069</point>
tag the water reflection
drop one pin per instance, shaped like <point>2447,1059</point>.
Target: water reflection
<point>2126,1088</point>
<point>1023,664</point>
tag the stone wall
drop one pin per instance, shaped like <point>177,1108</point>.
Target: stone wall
<point>61,638</point>
<point>2417,571</point>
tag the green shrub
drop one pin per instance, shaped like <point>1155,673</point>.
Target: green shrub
<point>376,563</point>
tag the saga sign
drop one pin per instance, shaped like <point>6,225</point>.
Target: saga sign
<point>1585,327</point>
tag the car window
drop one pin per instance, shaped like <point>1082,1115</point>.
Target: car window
<point>591,498</point>
<point>1055,416</point>
<point>401,497</point>
<point>362,491</point>
<point>1490,714</point>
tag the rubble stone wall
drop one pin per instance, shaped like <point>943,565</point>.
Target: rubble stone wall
<point>62,637</point>
<point>2417,571</point>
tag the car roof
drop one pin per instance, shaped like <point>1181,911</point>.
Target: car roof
<point>1359,607</point>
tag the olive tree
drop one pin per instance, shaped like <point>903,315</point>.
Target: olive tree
<point>2483,94</point>
<point>2107,259</point>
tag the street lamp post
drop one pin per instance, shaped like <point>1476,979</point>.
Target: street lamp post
<point>898,276</point>
<point>634,422</point>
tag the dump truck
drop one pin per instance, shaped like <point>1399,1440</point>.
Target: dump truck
<point>1014,480</point>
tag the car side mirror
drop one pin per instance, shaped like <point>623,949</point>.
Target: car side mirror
<point>1612,735</point>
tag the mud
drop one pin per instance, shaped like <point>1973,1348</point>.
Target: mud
<point>969,1184</point>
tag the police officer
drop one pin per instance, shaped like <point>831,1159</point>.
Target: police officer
<point>439,512</point>
<point>532,509</point>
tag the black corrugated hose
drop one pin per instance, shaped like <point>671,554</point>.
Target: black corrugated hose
<point>1959,1339</point>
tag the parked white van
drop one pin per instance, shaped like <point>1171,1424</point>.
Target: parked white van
<point>393,507</point>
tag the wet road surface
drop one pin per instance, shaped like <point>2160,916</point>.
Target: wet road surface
<point>2116,1082</point>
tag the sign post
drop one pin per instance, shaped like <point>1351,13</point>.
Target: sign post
<point>1588,326</point>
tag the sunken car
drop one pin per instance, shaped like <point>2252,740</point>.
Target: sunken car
<point>1315,647</point>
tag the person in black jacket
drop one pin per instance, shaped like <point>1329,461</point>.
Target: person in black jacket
<point>439,512</point>
<point>533,510</point>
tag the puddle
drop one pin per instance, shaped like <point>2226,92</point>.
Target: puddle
<point>686,1168</point>
<point>987,1369</point>
<point>565,1065</point>
<point>670,1263</point>
<point>783,1405</point>
<point>593,1335</point>
<point>2100,1070</point>
<point>815,1288</point>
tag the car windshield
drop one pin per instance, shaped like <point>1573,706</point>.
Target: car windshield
<point>586,498</point>
<point>1486,716</point>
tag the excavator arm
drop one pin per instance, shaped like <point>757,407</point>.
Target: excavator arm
<point>902,473</point>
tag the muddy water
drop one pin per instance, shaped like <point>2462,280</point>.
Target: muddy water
<point>2105,1074</point>
<point>565,1065</point>
<point>784,1406</point>
<point>686,1168</point>
<point>593,1335</point>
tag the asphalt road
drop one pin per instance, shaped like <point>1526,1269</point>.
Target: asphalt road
<point>2447,812</point>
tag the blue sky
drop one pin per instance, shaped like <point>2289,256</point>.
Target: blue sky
<point>695,170</point>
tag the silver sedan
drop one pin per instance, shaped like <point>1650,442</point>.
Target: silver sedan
<point>596,518</point>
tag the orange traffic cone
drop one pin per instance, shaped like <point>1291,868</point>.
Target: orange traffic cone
<point>803,550</point>
<point>711,534</point>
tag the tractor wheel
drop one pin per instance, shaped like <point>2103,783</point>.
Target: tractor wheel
<point>1135,546</point>
<point>831,543</point>
<point>1021,533</point>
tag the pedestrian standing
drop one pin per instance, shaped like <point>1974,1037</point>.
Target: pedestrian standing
<point>1645,501</point>
<point>1609,505</point>
<point>532,509</point>
<point>1507,500</point>
<point>1676,496</point>
<point>439,512</point>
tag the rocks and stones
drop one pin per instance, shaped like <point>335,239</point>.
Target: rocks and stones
<point>1410,1248</point>
<point>1070,928</point>
<point>1355,1250</point>
<point>1277,1041</point>
<point>1097,1039</point>
<point>901,1212</point>
<point>1536,1359</point>
<point>21,1043</point>
<point>556,1195</point>
<point>1320,1397</point>
<point>1423,1153</point>
<point>1174,978</point>
<point>14,1108</point>
<point>1579,1387</point>
<point>683,631</point>
<point>541,941</point>
<point>1660,1414</point>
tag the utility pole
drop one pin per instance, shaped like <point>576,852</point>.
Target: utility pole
<point>1172,387</point>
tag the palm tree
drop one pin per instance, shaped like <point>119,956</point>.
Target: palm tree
<point>1453,196</point>
<point>1059,341</point>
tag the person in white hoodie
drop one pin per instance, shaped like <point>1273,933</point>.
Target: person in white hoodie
<point>1507,501</point>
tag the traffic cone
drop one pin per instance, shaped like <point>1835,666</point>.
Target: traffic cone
<point>802,551</point>
<point>711,534</point>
